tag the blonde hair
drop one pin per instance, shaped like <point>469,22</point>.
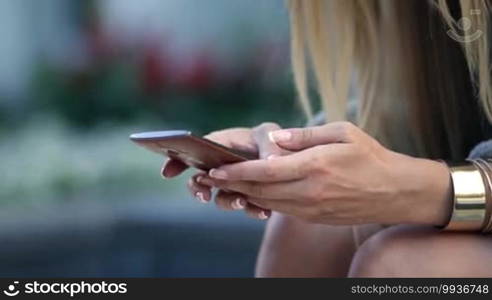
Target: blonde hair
<point>368,42</point>
<point>477,50</point>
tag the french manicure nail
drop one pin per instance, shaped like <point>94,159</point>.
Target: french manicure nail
<point>163,173</point>
<point>219,174</point>
<point>280,136</point>
<point>238,204</point>
<point>262,215</point>
<point>200,197</point>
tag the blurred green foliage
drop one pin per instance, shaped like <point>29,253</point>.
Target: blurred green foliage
<point>86,98</point>
<point>111,93</point>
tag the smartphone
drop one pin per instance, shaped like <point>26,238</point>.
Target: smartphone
<point>192,150</point>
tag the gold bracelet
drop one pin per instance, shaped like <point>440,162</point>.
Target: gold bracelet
<point>469,198</point>
<point>484,169</point>
<point>487,225</point>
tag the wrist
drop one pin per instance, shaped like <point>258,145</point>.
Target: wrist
<point>426,192</point>
<point>437,193</point>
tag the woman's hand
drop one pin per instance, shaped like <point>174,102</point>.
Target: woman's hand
<point>255,141</point>
<point>341,175</point>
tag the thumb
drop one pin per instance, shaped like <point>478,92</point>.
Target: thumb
<point>266,147</point>
<point>302,138</point>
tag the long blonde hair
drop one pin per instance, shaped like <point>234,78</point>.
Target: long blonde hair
<point>386,47</point>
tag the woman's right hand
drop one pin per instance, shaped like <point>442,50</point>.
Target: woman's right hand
<point>254,140</point>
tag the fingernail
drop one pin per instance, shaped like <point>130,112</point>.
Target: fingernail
<point>280,136</point>
<point>198,179</point>
<point>219,174</point>
<point>272,156</point>
<point>262,215</point>
<point>163,173</point>
<point>239,204</point>
<point>200,197</point>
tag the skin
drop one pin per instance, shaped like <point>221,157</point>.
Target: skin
<point>320,182</point>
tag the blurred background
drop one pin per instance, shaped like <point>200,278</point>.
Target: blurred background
<point>76,78</point>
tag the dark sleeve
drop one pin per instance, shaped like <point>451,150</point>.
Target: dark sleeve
<point>482,150</point>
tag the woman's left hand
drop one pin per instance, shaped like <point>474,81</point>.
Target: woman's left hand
<point>341,175</point>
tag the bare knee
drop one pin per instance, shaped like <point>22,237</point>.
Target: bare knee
<point>381,255</point>
<point>414,251</point>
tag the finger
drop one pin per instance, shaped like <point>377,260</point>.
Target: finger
<point>201,192</point>
<point>230,201</point>
<point>302,138</point>
<point>172,168</point>
<point>256,212</point>
<point>266,147</point>
<point>268,190</point>
<point>236,138</point>
<point>290,167</point>
<point>287,206</point>
<point>234,201</point>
